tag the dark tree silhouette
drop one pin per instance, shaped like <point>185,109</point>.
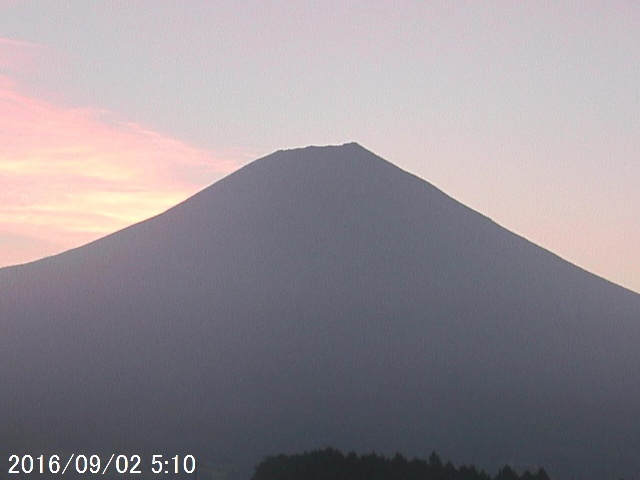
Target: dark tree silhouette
<point>331,464</point>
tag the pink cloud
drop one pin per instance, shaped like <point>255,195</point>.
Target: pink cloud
<point>74,175</point>
<point>19,57</point>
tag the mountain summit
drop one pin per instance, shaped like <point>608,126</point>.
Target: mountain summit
<point>321,296</point>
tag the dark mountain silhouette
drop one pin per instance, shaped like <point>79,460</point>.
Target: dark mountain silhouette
<point>317,297</point>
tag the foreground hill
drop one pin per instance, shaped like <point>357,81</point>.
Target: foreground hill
<point>315,297</point>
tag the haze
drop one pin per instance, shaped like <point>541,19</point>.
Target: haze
<point>528,112</point>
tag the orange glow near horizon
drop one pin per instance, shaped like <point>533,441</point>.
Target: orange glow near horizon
<point>69,176</point>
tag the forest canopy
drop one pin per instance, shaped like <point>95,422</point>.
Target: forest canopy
<point>331,464</point>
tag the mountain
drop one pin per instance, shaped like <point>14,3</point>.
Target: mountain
<point>321,296</point>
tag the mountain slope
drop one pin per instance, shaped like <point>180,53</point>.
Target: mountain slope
<point>318,297</point>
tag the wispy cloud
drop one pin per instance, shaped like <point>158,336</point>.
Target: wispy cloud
<point>75,174</point>
<point>19,58</point>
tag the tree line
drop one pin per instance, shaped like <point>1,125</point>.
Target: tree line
<point>331,464</point>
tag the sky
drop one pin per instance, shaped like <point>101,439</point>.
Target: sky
<point>528,112</point>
